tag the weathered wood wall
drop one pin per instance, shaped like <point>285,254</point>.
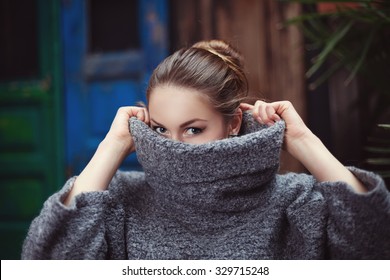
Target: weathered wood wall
<point>273,53</point>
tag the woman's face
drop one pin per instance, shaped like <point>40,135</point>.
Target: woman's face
<point>185,115</point>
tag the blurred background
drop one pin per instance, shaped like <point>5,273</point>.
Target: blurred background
<point>67,65</point>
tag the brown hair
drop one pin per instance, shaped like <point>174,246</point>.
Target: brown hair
<point>212,67</point>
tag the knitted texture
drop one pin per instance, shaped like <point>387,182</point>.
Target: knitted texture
<point>221,176</point>
<point>219,200</point>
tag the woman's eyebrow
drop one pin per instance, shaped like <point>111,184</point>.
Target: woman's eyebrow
<point>159,124</point>
<point>187,123</point>
<point>183,124</point>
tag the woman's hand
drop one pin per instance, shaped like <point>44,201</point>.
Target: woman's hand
<point>302,144</point>
<point>269,113</point>
<point>119,132</point>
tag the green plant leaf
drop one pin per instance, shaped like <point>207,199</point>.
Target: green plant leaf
<point>327,74</point>
<point>378,150</point>
<point>384,125</point>
<point>362,57</point>
<point>329,48</point>
<point>378,161</point>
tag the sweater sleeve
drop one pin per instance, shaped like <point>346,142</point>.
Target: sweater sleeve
<point>76,231</point>
<point>358,225</point>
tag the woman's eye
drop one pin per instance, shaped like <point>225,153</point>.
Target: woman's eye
<point>160,130</point>
<point>193,130</point>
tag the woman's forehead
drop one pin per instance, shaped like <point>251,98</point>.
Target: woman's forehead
<point>180,102</point>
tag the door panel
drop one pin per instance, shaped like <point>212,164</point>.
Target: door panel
<point>13,205</point>
<point>31,130</point>
<point>22,155</point>
<point>104,71</point>
<point>20,133</point>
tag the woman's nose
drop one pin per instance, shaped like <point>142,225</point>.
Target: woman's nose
<point>176,137</point>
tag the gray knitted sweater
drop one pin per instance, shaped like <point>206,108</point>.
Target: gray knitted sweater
<point>220,200</point>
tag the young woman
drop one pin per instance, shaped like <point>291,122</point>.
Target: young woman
<point>206,194</point>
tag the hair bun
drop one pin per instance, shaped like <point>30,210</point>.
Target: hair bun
<point>224,50</point>
<point>213,68</point>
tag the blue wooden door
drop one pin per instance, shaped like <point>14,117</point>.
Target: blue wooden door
<point>110,49</point>
<point>31,130</point>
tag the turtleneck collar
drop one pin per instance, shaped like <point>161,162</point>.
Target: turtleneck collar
<point>220,176</point>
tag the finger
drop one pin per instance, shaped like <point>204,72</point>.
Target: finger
<point>255,112</point>
<point>140,114</point>
<point>270,111</point>
<point>276,117</point>
<point>146,114</point>
<point>287,112</point>
<point>272,116</point>
<point>132,111</point>
<point>246,107</point>
<point>261,112</point>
